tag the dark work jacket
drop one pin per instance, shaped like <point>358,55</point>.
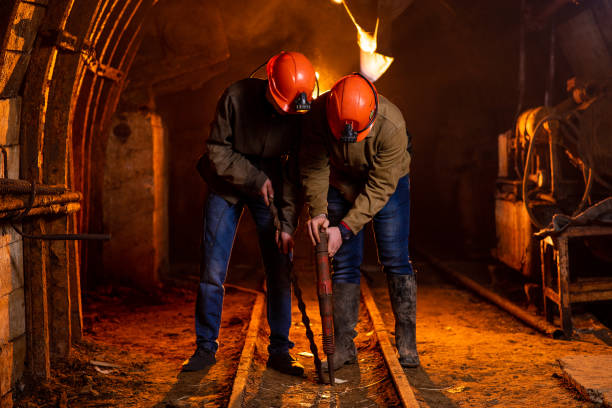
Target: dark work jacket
<point>249,142</point>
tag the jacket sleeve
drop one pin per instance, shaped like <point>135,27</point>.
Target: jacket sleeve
<point>226,162</point>
<point>382,180</point>
<point>291,200</point>
<point>314,163</point>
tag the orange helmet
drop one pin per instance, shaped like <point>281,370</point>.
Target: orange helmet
<point>352,106</point>
<point>291,80</point>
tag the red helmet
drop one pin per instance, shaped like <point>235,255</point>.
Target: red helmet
<point>352,106</point>
<point>291,80</point>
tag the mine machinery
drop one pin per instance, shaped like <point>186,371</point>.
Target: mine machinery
<point>557,164</point>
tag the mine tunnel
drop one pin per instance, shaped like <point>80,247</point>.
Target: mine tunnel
<point>158,198</point>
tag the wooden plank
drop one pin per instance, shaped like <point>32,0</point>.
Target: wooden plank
<point>565,310</point>
<point>590,375</point>
<point>24,25</point>
<point>592,296</point>
<point>590,284</point>
<point>60,328</point>
<point>37,317</point>
<point>552,295</point>
<point>74,272</point>
<point>10,111</point>
<point>404,390</point>
<point>248,351</point>
<point>584,231</point>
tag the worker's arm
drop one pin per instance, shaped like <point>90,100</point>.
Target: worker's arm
<point>225,161</point>
<point>382,179</point>
<point>314,162</point>
<point>290,201</point>
<point>314,168</point>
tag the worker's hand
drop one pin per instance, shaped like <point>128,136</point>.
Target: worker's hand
<point>285,242</point>
<point>267,192</point>
<point>313,226</point>
<point>334,240</point>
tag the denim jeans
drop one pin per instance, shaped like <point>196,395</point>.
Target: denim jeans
<point>220,225</point>
<point>391,230</point>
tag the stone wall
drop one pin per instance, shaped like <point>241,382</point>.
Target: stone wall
<point>12,313</point>
<point>12,308</point>
<point>135,200</point>
<point>17,45</point>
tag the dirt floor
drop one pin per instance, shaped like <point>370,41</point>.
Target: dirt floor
<point>475,355</point>
<point>472,354</point>
<point>133,350</point>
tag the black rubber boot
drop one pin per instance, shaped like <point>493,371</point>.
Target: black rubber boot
<point>402,291</point>
<point>201,359</point>
<point>346,313</point>
<point>286,364</point>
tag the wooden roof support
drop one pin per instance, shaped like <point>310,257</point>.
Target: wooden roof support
<point>47,284</point>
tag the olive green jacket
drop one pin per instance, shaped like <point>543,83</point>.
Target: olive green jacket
<point>366,172</point>
<point>249,142</point>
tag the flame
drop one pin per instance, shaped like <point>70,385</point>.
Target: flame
<point>314,91</point>
<point>371,64</point>
<point>325,83</point>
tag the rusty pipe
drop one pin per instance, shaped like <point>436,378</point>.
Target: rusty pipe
<point>16,186</point>
<point>326,304</point>
<point>53,209</point>
<point>536,322</point>
<point>20,202</point>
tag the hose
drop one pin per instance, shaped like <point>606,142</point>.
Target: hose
<point>528,159</point>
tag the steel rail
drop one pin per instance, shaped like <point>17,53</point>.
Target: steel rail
<point>400,381</point>
<point>248,351</point>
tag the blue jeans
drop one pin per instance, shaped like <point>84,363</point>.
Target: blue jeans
<point>220,225</point>
<point>391,230</point>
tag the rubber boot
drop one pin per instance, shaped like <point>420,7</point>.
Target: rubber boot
<point>346,313</point>
<point>402,291</point>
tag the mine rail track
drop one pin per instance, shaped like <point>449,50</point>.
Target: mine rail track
<point>244,372</point>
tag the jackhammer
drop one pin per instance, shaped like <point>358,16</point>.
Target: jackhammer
<point>324,292</point>
<point>326,305</point>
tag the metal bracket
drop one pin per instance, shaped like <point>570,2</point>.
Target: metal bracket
<point>66,41</point>
<point>109,72</point>
<point>61,39</point>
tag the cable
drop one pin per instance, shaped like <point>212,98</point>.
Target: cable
<point>257,69</point>
<point>528,159</point>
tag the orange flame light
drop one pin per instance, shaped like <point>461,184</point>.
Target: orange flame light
<point>371,64</point>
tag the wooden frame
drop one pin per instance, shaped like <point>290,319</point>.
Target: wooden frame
<point>554,255</point>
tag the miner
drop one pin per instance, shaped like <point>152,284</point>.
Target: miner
<point>354,163</point>
<point>257,124</point>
